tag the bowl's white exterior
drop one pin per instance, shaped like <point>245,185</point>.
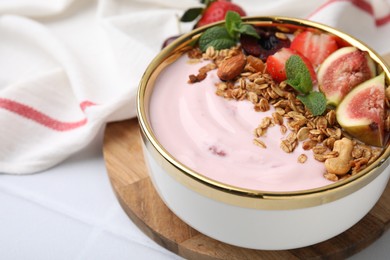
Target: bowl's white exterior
<point>251,227</point>
<point>264,229</point>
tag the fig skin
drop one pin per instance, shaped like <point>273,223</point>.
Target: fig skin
<point>361,112</point>
<point>343,70</point>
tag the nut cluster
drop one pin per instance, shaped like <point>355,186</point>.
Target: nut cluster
<point>245,78</point>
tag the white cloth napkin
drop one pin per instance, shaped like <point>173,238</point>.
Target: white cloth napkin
<point>68,67</point>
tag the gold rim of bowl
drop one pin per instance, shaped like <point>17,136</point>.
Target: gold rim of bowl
<point>237,196</point>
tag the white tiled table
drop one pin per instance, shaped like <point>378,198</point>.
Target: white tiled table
<point>70,212</point>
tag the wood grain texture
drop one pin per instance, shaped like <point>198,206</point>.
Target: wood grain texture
<point>136,194</point>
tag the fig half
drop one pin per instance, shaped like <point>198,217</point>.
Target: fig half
<point>342,71</point>
<point>361,112</point>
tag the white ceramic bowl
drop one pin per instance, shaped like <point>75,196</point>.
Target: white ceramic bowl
<point>253,218</point>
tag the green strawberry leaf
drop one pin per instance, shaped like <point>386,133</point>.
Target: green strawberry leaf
<point>216,36</point>
<point>207,2</point>
<point>298,75</point>
<point>191,14</point>
<point>315,101</point>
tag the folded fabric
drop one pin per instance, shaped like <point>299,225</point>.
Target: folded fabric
<point>69,67</point>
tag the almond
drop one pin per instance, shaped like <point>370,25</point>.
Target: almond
<point>231,67</point>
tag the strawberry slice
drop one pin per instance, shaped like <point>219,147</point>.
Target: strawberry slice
<point>276,64</point>
<point>216,12</point>
<point>314,46</point>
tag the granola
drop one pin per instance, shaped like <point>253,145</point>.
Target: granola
<point>315,133</point>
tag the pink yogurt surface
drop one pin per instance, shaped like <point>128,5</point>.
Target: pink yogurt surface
<point>214,136</point>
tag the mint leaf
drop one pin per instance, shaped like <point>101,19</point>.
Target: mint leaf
<point>315,101</point>
<point>233,23</point>
<point>226,37</point>
<point>249,30</point>
<point>298,75</point>
<point>191,14</point>
<point>216,36</point>
<point>220,44</point>
<point>235,27</point>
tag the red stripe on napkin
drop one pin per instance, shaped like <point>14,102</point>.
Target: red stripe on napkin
<point>362,5</point>
<point>85,104</point>
<point>33,114</point>
<point>383,20</point>
<point>367,7</point>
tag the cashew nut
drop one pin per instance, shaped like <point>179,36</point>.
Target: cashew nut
<point>340,165</point>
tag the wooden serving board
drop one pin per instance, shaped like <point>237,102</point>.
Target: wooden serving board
<point>135,192</point>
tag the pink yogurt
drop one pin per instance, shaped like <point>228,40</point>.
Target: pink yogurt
<point>214,136</point>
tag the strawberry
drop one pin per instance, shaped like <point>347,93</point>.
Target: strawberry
<point>276,64</point>
<point>315,46</point>
<point>342,43</point>
<point>217,10</point>
<point>214,11</point>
